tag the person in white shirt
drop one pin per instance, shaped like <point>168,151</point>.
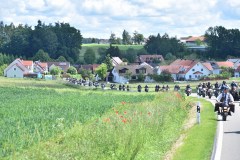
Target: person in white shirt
<point>225,99</point>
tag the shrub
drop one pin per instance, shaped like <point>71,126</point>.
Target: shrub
<point>72,70</point>
<point>55,71</point>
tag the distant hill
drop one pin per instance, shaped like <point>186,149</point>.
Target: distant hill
<point>96,47</point>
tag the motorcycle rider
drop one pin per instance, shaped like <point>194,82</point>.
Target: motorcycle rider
<point>222,86</point>
<point>225,99</point>
<point>139,88</point>
<point>188,87</point>
<point>146,88</point>
<point>198,87</point>
<point>167,87</point>
<point>234,84</point>
<point>216,85</point>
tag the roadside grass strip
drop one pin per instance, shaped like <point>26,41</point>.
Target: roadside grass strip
<point>199,140</point>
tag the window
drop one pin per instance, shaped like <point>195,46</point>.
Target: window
<point>201,69</point>
<point>14,76</point>
<point>193,70</point>
<point>190,76</point>
<point>14,69</point>
<point>142,70</point>
<point>195,76</point>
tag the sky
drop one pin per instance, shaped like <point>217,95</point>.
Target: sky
<point>100,18</point>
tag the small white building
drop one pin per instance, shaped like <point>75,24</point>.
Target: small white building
<point>236,62</point>
<point>186,70</point>
<point>18,68</point>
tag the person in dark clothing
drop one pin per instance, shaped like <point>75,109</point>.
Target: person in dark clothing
<point>120,87</point>
<point>146,88</point>
<point>123,87</point>
<point>139,88</point>
<point>216,85</point>
<point>234,84</point>
<point>128,88</point>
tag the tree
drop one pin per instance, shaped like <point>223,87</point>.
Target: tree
<point>130,54</point>
<point>89,56</point>
<point>61,59</point>
<point>2,67</point>
<point>137,37</point>
<point>113,51</point>
<point>102,71</point>
<point>41,56</point>
<point>55,71</point>
<point>108,62</point>
<point>72,70</point>
<point>126,38</point>
<point>86,73</point>
<point>113,39</point>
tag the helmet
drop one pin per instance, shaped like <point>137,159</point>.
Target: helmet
<point>226,88</point>
<point>224,82</point>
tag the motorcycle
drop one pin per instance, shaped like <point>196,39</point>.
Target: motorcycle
<point>234,93</point>
<point>188,91</point>
<point>224,112</point>
<point>202,91</point>
<point>210,93</point>
<point>216,92</point>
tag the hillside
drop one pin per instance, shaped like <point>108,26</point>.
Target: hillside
<point>96,47</point>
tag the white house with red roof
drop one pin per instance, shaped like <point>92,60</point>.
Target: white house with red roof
<point>40,67</point>
<point>186,70</point>
<point>237,72</point>
<point>18,68</point>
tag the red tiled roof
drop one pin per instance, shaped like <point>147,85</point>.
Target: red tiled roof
<point>193,39</point>
<point>225,64</point>
<point>208,66</point>
<point>27,63</point>
<point>43,65</point>
<point>173,69</point>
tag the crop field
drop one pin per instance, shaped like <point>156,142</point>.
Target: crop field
<point>49,120</point>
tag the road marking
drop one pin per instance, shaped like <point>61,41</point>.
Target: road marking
<point>219,140</point>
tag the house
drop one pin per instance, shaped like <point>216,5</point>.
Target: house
<point>116,61</point>
<point>19,68</point>
<point>124,73</point>
<point>40,67</point>
<point>195,43</point>
<point>236,62</point>
<point>62,65</point>
<point>227,64</point>
<point>186,69</point>
<point>150,59</point>
<point>91,67</point>
<point>237,72</point>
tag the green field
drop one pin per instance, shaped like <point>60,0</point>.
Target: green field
<point>48,120</point>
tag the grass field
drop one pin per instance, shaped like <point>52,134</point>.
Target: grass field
<point>49,120</point>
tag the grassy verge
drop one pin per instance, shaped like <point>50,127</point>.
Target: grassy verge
<point>200,138</point>
<point>144,130</point>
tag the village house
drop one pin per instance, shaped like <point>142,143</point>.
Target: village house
<point>236,62</point>
<point>150,59</point>
<point>40,67</point>
<point>124,73</point>
<point>62,65</point>
<point>21,68</point>
<point>186,69</point>
<point>195,43</point>
<point>90,67</point>
<point>237,72</point>
<point>116,61</point>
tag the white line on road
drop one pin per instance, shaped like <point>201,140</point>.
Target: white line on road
<point>219,141</point>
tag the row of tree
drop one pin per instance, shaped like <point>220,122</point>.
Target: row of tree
<point>57,40</point>
<point>127,39</point>
<point>223,42</point>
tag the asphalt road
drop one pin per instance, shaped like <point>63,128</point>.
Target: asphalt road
<point>228,135</point>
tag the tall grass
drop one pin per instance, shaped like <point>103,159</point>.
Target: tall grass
<point>30,115</point>
<point>144,130</point>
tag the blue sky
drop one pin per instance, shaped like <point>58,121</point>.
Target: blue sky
<point>98,18</point>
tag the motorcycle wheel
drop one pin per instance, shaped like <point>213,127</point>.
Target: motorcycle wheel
<point>210,97</point>
<point>187,94</point>
<point>203,95</point>
<point>224,117</point>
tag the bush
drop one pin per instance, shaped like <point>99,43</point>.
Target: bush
<point>140,78</point>
<point>72,70</point>
<point>164,76</point>
<point>55,71</point>
<point>2,67</point>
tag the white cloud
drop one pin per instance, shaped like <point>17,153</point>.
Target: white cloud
<point>98,18</point>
